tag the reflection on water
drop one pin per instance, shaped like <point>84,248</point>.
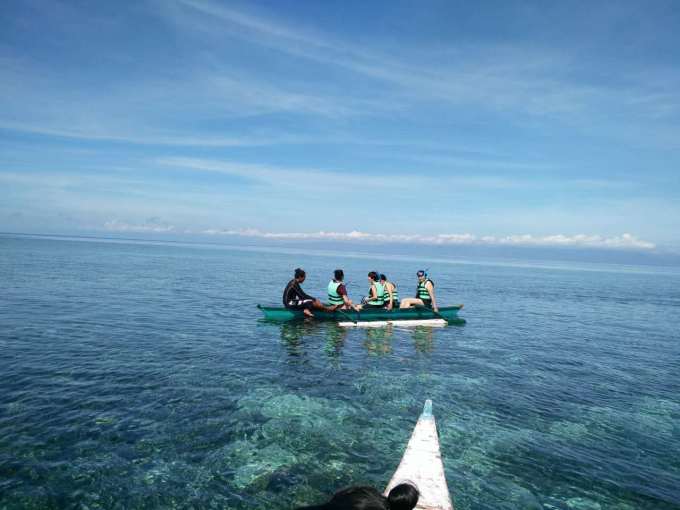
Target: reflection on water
<point>335,340</point>
<point>379,340</point>
<point>423,338</point>
<point>293,334</point>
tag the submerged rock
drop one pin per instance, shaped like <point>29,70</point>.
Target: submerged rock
<point>261,464</point>
<point>583,504</point>
<point>569,429</point>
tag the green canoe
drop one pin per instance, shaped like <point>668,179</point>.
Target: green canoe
<point>449,313</point>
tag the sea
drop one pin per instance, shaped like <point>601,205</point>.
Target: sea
<point>142,375</point>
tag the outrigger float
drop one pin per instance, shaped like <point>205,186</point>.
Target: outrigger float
<point>422,465</point>
<point>373,317</point>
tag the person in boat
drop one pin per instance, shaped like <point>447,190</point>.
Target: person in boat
<point>376,292</point>
<point>295,298</point>
<point>391,293</point>
<point>337,292</point>
<point>424,294</point>
<point>402,497</point>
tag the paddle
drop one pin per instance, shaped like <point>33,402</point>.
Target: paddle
<point>436,314</point>
<point>348,317</point>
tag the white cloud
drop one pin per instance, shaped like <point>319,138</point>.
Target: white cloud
<point>155,137</point>
<point>299,178</point>
<point>406,177</point>
<point>624,241</point>
<point>150,225</point>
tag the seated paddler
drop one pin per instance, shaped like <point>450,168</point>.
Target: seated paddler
<point>376,292</point>
<point>337,292</point>
<point>295,298</point>
<point>391,293</point>
<point>424,294</point>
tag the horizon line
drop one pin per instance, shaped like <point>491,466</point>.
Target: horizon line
<point>283,243</point>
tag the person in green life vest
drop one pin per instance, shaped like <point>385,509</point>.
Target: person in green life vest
<point>337,292</point>
<point>376,292</point>
<point>391,293</point>
<point>424,294</point>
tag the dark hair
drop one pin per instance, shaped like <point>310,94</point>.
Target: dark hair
<point>383,277</point>
<point>354,498</point>
<point>403,497</point>
<point>299,273</point>
<point>421,272</point>
<point>338,274</point>
<point>359,498</point>
<point>373,275</point>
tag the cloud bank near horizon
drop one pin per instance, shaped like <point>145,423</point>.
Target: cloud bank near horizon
<point>624,241</point>
<point>153,225</point>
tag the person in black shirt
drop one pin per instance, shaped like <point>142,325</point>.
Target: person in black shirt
<point>297,299</point>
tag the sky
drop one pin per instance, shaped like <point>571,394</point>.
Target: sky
<point>439,122</point>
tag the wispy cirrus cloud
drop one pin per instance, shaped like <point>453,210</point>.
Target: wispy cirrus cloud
<point>144,137</point>
<point>148,112</point>
<point>40,99</point>
<point>522,79</point>
<point>531,80</point>
<point>297,178</point>
<point>624,241</point>
<point>406,177</point>
<point>498,77</point>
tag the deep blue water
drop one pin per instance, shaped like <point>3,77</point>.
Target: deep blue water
<point>140,376</point>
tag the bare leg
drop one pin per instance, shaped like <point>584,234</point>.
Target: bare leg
<point>320,306</point>
<point>409,302</point>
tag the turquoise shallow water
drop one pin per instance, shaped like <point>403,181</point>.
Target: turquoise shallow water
<point>140,376</point>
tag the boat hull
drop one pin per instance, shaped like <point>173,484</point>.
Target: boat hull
<point>449,313</point>
<point>422,465</point>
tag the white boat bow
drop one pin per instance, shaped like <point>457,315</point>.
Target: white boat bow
<point>422,465</point>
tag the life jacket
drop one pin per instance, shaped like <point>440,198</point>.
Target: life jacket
<point>380,293</point>
<point>333,297</point>
<point>395,294</point>
<point>421,291</point>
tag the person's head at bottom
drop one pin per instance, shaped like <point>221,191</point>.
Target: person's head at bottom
<point>402,497</point>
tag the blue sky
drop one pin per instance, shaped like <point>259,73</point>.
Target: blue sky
<point>520,123</point>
